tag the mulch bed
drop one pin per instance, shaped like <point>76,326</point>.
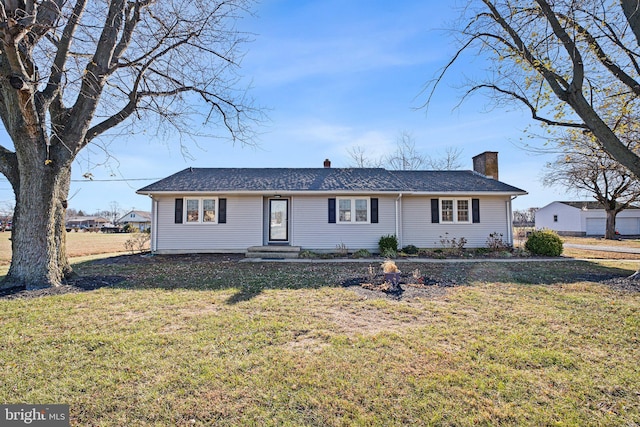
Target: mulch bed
<point>623,284</point>
<point>75,285</point>
<point>407,288</point>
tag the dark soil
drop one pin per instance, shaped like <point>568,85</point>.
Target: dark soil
<point>623,284</point>
<point>77,284</point>
<point>407,288</point>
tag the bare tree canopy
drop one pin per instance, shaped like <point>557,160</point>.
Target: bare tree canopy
<point>565,61</point>
<point>585,167</point>
<point>406,156</point>
<point>71,70</point>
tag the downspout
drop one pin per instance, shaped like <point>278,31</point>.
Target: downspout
<point>399,219</point>
<point>154,225</point>
<point>510,220</point>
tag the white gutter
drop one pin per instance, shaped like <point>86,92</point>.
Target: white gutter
<point>331,193</point>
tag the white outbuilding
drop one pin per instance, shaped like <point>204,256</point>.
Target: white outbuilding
<point>585,219</point>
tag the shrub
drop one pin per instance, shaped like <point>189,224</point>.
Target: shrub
<point>410,250</point>
<point>342,249</point>
<point>362,253</point>
<point>137,242</point>
<point>495,242</point>
<point>389,267</point>
<point>389,253</point>
<point>544,242</point>
<point>307,254</point>
<point>452,245</point>
<point>388,242</point>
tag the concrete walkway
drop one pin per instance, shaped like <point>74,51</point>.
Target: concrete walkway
<point>405,260</point>
<point>619,249</point>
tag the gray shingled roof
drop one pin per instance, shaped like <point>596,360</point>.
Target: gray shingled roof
<point>326,179</point>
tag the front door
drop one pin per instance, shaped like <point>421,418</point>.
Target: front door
<point>278,220</point>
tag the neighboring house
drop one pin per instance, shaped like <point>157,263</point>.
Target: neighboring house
<point>141,220</point>
<point>91,223</point>
<point>585,219</point>
<point>318,209</point>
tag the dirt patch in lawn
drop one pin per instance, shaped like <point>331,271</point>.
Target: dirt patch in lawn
<point>74,285</point>
<point>405,290</point>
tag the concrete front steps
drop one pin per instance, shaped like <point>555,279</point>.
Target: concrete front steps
<point>273,252</point>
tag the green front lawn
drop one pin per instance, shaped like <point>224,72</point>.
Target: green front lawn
<point>189,341</point>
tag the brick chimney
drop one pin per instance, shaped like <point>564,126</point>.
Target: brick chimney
<point>327,163</point>
<point>486,164</point>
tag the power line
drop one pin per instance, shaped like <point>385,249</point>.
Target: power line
<point>115,179</point>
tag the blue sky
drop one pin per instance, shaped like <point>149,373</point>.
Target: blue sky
<point>331,75</point>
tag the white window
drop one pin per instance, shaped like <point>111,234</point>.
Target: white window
<point>201,210</point>
<point>354,211</point>
<point>455,211</point>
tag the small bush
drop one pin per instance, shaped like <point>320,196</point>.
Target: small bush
<point>495,242</point>
<point>342,249</point>
<point>362,253</point>
<point>544,242</point>
<point>452,246</point>
<point>137,242</point>
<point>307,254</point>
<point>389,267</point>
<point>389,253</point>
<point>410,250</point>
<point>388,242</point>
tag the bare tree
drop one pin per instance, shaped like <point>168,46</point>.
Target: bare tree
<point>114,211</point>
<point>360,158</point>
<point>72,70</point>
<point>449,161</point>
<point>524,217</point>
<point>405,157</point>
<point>564,61</point>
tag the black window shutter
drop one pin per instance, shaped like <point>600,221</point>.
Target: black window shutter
<point>435,211</point>
<point>374,210</point>
<point>178,217</point>
<point>475,210</point>
<point>332,211</point>
<point>222,211</point>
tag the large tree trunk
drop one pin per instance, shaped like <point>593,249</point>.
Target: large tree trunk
<point>38,240</point>
<point>610,229</point>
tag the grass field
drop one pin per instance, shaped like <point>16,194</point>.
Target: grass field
<point>78,244</point>
<point>196,340</point>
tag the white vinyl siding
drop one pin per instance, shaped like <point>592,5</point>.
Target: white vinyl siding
<point>242,229</point>
<point>310,227</point>
<point>418,230</point>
